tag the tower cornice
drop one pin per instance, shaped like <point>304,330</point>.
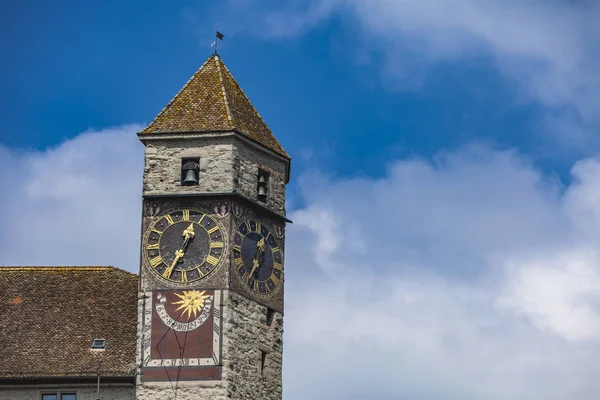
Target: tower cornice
<point>231,194</point>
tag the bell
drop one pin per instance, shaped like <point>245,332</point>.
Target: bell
<point>262,180</point>
<point>190,178</point>
<point>262,192</point>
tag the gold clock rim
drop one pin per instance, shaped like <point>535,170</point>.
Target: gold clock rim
<point>157,218</point>
<point>244,284</point>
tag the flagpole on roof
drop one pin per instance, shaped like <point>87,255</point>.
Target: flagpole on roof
<point>218,36</point>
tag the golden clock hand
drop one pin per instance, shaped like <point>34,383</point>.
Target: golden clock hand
<point>254,266</point>
<point>260,249</point>
<point>188,234</point>
<point>178,255</point>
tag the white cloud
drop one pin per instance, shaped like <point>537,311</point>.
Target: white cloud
<point>75,204</point>
<point>559,292</point>
<point>548,49</point>
<point>470,276</point>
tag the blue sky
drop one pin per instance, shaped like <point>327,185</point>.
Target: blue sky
<point>445,179</point>
<point>73,66</point>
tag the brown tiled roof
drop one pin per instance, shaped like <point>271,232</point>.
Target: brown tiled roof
<point>212,101</point>
<point>50,315</point>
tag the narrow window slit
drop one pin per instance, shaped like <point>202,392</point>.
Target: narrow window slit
<point>270,315</point>
<point>263,358</point>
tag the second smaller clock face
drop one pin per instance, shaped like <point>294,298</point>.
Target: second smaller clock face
<point>184,246</point>
<point>257,256</point>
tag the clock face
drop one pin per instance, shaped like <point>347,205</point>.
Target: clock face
<point>184,246</point>
<point>257,256</point>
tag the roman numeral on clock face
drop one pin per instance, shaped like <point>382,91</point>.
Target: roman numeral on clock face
<point>156,261</point>
<point>212,260</point>
<point>275,279</point>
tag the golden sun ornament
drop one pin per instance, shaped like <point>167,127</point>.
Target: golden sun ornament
<point>191,302</point>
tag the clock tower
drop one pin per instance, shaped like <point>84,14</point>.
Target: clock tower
<point>210,304</point>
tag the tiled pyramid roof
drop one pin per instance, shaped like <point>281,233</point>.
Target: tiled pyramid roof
<point>50,315</point>
<point>212,101</point>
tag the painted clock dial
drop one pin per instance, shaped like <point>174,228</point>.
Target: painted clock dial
<point>184,246</point>
<point>257,256</point>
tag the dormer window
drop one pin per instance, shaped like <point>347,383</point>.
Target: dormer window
<point>190,169</point>
<point>98,344</point>
<point>263,185</point>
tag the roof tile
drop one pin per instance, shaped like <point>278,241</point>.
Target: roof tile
<point>50,315</point>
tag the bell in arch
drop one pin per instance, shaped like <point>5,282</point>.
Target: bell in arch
<point>190,178</point>
<point>263,178</point>
<point>189,173</point>
<point>262,192</point>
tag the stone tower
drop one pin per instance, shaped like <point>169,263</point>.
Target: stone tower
<point>210,320</point>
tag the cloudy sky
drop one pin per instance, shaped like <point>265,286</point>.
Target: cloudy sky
<point>445,187</point>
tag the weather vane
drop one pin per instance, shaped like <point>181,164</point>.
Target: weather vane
<point>219,36</point>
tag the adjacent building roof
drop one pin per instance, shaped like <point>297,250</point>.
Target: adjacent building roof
<point>212,101</point>
<point>51,315</point>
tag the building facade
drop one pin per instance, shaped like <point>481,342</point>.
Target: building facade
<point>205,320</point>
<point>50,319</point>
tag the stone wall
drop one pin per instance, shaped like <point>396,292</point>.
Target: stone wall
<point>247,162</point>
<point>227,164</point>
<point>164,391</point>
<point>83,392</point>
<point>162,168</point>
<point>249,336</point>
